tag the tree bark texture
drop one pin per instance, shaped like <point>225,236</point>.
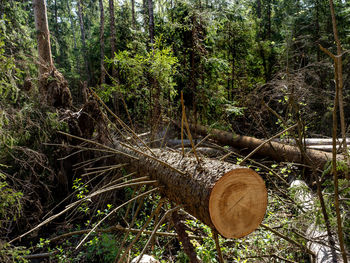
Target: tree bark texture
<point>43,36</point>
<point>226,197</point>
<point>275,150</point>
<point>52,84</point>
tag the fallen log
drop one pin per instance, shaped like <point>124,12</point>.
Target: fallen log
<point>314,141</point>
<point>229,198</point>
<point>275,150</point>
<point>325,148</point>
<point>317,237</point>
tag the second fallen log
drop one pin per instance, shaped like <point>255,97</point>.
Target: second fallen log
<point>231,199</point>
<point>275,150</point>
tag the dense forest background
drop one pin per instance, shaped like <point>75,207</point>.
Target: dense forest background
<point>248,67</point>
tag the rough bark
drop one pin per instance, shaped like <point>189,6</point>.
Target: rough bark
<point>43,36</point>
<point>53,86</point>
<point>226,197</point>
<point>275,150</point>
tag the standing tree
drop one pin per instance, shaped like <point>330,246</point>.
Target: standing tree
<point>151,22</point>
<point>82,29</point>
<point>113,32</point>
<point>43,36</point>
<point>133,14</point>
<point>52,84</point>
<point>102,42</point>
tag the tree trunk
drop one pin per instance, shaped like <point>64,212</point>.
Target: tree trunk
<point>154,85</point>
<point>56,34</point>
<point>82,30</point>
<point>275,150</point>
<point>151,22</point>
<point>229,198</point>
<point>102,42</point>
<point>43,36</point>
<point>72,26</point>
<point>113,33</point>
<point>144,11</point>
<point>317,28</point>
<point>133,14</point>
<point>53,86</point>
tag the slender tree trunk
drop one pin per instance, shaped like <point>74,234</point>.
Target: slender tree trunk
<point>339,75</point>
<point>82,30</point>
<point>102,42</point>
<point>113,33</point>
<point>145,15</point>
<point>233,73</point>
<point>317,28</point>
<point>269,19</point>
<point>113,40</point>
<point>151,22</point>
<point>43,36</point>
<point>154,85</point>
<point>133,14</point>
<point>258,8</point>
<point>72,26</point>
<point>56,51</point>
<point>338,99</point>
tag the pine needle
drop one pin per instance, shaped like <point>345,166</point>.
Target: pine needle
<point>112,212</point>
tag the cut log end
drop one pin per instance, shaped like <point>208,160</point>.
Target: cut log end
<point>237,203</point>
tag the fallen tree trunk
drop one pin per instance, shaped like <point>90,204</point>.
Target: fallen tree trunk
<point>317,237</point>
<point>314,141</point>
<point>231,199</point>
<point>321,144</point>
<point>274,150</point>
<point>325,148</point>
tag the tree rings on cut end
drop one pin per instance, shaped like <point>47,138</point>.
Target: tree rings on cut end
<point>238,202</point>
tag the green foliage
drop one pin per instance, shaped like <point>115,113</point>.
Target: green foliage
<point>10,210</point>
<point>9,72</point>
<point>135,71</point>
<point>102,248</point>
<point>12,254</point>
<point>10,205</point>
